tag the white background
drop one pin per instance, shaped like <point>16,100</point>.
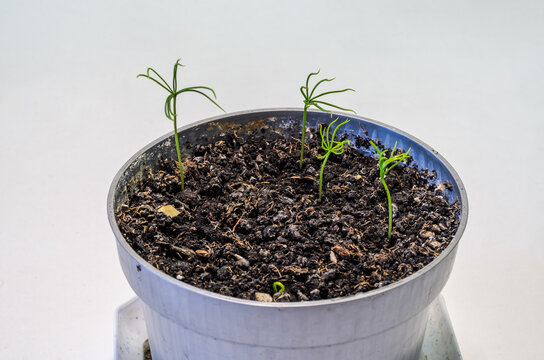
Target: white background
<point>466,77</point>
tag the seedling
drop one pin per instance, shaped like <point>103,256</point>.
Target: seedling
<point>331,146</point>
<point>386,164</point>
<point>170,109</point>
<point>278,287</point>
<point>310,99</point>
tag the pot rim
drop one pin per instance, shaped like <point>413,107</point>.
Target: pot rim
<point>300,304</point>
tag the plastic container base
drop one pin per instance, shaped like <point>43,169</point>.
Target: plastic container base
<point>130,333</point>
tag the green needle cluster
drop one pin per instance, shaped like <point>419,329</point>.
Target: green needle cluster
<point>311,100</point>
<point>386,164</point>
<point>170,109</point>
<point>330,146</point>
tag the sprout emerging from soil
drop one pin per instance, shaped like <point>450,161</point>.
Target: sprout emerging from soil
<point>310,99</point>
<point>170,104</point>
<point>386,164</point>
<point>331,146</point>
<point>278,287</point>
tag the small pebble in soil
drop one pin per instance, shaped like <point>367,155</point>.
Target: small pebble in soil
<point>315,294</point>
<point>283,297</point>
<point>333,258</point>
<point>245,226</point>
<point>301,296</point>
<point>394,210</point>
<point>280,217</point>
<point>224,273</point>
<point>426,234</point>
<point>302,260</point>
<point>329,275</point>
<point>265,254</point>
<point>294,233</point>
<point>263,297</point>
<point>310,170</point>
<point>241,261</point>
<point>269,232</point>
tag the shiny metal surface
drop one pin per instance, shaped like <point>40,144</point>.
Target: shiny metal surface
<point>184,322</point>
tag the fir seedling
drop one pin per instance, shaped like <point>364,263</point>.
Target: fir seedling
<point>170,109</point>
<point>330,146</point>
<point>386,164</point>
<point>311,100</point>
<point>278,287</point>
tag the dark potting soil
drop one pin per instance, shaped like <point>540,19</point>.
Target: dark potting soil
<point>248,217</point>
<point>147,350</point>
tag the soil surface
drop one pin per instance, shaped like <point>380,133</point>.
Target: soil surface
<point>248,217</point>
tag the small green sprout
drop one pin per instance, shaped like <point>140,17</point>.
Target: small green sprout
<point>386,164</point>
<point>278,287</point>
<point>310,99</point>
<point>170,104</point>
<point>331,146</point>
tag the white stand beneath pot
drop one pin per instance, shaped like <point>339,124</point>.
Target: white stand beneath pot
<point>130,333</point>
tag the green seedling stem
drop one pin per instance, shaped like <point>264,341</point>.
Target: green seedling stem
<point>170,106</point>
<point>330,146</point>
<point>311,100</point>
<point>386,164</point>
<point>278,287</point>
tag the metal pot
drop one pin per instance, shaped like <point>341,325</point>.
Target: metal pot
<point>185,322</point>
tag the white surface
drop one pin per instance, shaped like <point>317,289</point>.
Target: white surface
<point>130,333</point>
<point>467,77</point>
